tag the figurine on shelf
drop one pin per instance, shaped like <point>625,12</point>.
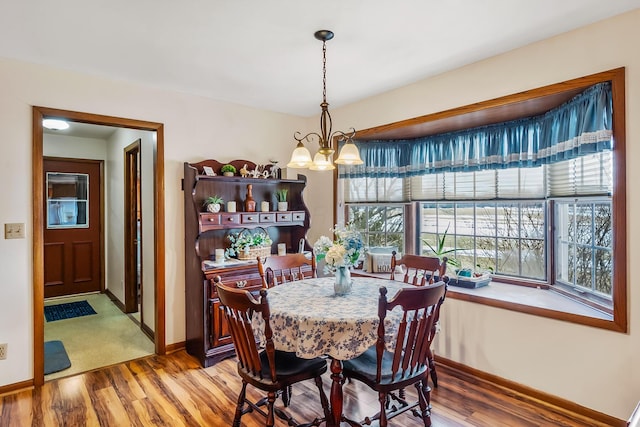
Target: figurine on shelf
<point>244,172</point>
<point>256,173</point>
<point>275,170</point>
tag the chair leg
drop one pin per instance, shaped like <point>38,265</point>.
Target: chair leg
<point>424,400</point>
<point>240,405</point>
<point>271,399</point>
<point>382,397</point>
<point>286,396</point>
<point>432,369</point>
<point>323,398</point>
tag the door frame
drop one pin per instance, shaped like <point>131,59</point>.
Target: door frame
<point>38,114</point>
<point>131,205</point>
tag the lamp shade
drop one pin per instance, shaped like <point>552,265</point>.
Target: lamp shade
<point>300,158</point>
<point>349,155</point>
<point>321,163</point>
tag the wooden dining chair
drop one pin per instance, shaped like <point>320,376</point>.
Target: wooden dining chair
<point>268,369</point>
<point>388,372</point>
<point>276,270</point>
<point>419,270</point>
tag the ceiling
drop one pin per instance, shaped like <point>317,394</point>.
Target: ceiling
<point>263,53</point>
<point>84,130</point>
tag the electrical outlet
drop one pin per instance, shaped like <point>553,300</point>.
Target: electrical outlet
<point>14,230</point>
<point>3,351</point>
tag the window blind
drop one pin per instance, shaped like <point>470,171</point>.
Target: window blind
<point>590,175</point>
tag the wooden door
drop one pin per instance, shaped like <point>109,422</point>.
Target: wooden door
<point>72,244</point>
<point>132,231</point>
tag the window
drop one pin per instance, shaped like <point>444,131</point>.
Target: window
<point>380,225</point>
<point>583,247</point>
<point>508,237</point>
<point>67,200</point>
<point>505,238</point>
<point>538,200</point>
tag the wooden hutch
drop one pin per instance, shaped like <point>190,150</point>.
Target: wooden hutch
<point>207,336</point>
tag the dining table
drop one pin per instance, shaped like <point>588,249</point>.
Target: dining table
<point>308,318</point>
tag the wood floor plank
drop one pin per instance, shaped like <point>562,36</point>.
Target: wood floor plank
<point>174,390</point>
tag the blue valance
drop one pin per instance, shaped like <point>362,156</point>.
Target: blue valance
<point>578,127</point>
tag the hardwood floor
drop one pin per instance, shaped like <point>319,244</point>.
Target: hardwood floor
<point>174,390</point>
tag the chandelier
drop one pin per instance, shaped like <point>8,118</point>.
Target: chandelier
<point>349,155</point>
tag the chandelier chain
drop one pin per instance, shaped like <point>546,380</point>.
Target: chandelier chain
<point>324,71</point>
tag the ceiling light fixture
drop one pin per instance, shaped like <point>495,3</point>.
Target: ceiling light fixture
<point>301,157</point>
<point>55,124</point>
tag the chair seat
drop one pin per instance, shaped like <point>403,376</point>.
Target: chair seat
<point>289,369</point>
<point>364,368</point>
<point>288,364</point>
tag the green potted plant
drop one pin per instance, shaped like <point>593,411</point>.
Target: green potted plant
<point>228,170</point>
<point>212,203</point>
<point>440,250</point>
<point>281,195</point>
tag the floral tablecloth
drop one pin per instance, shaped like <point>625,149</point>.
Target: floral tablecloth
<point>308,319</point>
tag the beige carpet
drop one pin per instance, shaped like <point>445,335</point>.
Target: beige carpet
<point>101,339</point>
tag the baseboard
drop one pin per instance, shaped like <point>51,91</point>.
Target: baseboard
<point>466,373</point>
<point>114,300</point>
<point>172,348</point>
<point>148,332</point>
<point>12,388</point>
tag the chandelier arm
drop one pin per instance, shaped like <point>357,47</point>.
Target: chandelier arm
<point>343,135</point>
<point>298,136</point>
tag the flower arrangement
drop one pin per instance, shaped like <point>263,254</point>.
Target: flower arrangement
<point>246,245</point>
<point>345,251</point>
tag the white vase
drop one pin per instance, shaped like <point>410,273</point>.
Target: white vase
<point>283,206</point>
<point>213,207</point>
<point>343,283</point>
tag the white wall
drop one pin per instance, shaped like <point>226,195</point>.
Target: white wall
<point>115,217</point>
<point>595,368</point>
<point>195,129</point>
<point>73,147</point>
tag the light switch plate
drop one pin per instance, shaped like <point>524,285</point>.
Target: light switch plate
<point>14,231</point>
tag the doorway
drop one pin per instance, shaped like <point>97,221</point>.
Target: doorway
<point>157,305</point>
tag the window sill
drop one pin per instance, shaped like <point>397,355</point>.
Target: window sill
<point>534,301</point>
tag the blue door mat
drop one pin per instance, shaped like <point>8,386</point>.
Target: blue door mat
<point>68,310</point>
<point>55,357</point>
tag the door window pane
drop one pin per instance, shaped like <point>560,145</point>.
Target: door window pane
<point>67,200</point>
